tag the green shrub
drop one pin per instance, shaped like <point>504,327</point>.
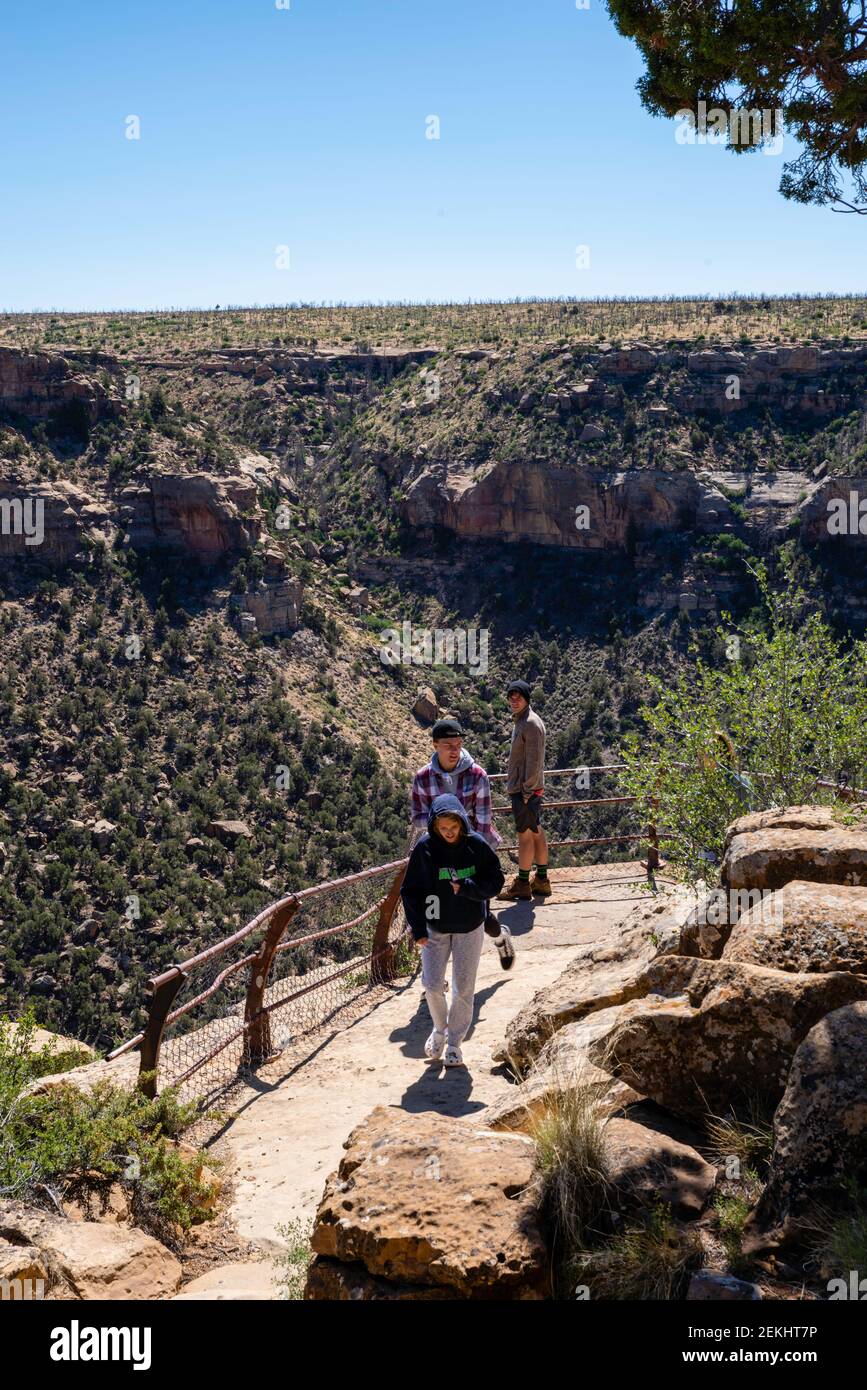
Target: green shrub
<point>76,1144</point>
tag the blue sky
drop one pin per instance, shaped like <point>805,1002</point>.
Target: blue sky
<point>305,128</point>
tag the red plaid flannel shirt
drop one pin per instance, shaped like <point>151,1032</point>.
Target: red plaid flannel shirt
<point>472,789</point>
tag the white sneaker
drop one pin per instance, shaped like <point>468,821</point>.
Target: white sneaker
<point>453,1057</point>
<point>433,1048</point>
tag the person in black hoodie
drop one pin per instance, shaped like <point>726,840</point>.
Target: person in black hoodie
<point>452,872</point>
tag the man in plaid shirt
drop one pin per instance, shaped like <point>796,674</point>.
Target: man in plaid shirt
<point>451,769</point>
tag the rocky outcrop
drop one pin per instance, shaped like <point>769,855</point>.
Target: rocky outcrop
<point>201,513</point>
<point>766,858</point>
<point>229,832</point>
<point>57,1048</point>
<point>709,1034</point>
<point>804,927</point>
<point>122,1072</point>
<point>644,1165</point>
<point>835,512</point>
<point>598,978</point>
<point>50,523</point>
<point>424,1200</point>
<point>39,385</point>
<point>820,1128</point>
<point>563,1062</point>
<point>94,1259</point>
<point>24,1271</point>
<point>269,608</point>
<point>577,507</point>
<point>814,818</point>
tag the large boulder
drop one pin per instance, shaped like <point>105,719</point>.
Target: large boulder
<point>766,851</point>
<point>430,1200</point>
<point>229,832</point>
<point>563,1062</point>
<point>818,818</point>
<point>712,1033</point>
<point>644,1165</point>
<point>598,978</point>
<point>426,708</point>
<point>804,927</point>
<point>24,1272</point>
<point>95,1260</point>
<point>820,1128</point>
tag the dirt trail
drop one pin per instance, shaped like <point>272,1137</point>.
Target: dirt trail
<point>288,1133</point>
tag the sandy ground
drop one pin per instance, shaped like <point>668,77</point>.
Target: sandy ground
<point>287,1133</point>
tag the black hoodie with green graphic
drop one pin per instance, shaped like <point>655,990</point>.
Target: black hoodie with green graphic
<point>428,897</point>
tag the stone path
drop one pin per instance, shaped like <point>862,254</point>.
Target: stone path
<point>287,1135</point>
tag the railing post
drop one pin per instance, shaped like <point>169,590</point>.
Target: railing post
<point>257,1037</point>
<point>164,990</point>
<point>381,952</point>
<point>653,838</point>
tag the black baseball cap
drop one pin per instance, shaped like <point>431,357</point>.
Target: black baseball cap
<point>446,728</point>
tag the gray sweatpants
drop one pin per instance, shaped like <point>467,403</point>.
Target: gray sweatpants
<point>465,948</point>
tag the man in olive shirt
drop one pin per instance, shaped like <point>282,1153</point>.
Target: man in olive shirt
<point>525,787</point>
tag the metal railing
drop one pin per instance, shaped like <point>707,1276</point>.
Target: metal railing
<point>269,983</point>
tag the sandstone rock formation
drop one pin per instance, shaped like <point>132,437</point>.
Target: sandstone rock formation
<point>95,1259</point>
<point>563,1062</point>
<point>598,978</point>
<point>768,857</point>
<point>399,1204</point>
<point>122,1072</point>
<point>804,927</point>
<point>201,513</point>
<point>832,512</point>
<point>61,1049</point>
<point>820,1127</point>
<point>229,832</point>
<point>50,523</point>
<point>39,384</point>
<point>644,1164</point>
<point>24,1271</point>
<point>710,1034</point>
<point>270,609</point>
<point>582,508</point>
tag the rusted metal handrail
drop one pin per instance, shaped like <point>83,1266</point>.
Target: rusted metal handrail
<point>273,920</point>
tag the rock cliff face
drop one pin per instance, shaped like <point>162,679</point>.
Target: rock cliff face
<point>200,513</point>
<point>569,498</point>
<point>583,508</point>
<point>270,608</point>
<point>49,523</point>
<point>38,384</point>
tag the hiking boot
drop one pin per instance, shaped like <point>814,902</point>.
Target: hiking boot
<point>506,948</point>
<point>516,890</point>
<point>540,887</point>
